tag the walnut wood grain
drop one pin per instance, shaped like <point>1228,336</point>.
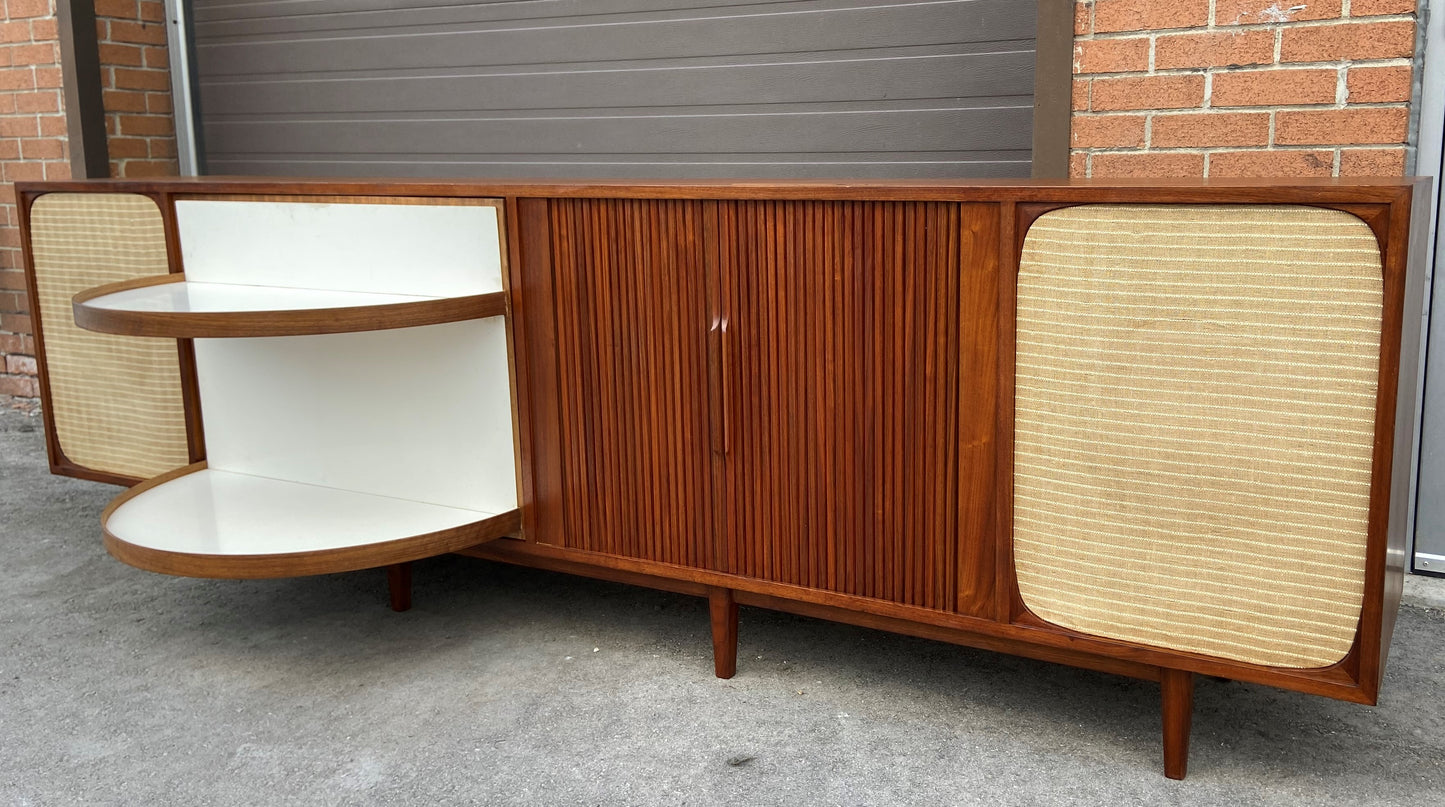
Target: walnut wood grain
<point>1177,708</point>
<point>280,322</point>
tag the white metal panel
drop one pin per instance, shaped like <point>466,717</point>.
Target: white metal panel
<point>220,513</point>
<point>438,250</point>
<point>415,413</point>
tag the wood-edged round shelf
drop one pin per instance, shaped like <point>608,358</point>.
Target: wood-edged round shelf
<point>171,306</point>
<point>196,522</point>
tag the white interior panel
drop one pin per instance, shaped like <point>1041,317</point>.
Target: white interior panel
<point>415,413</point>
<point>223,297</point>
<point>437,250</point>
<point>220,513</point>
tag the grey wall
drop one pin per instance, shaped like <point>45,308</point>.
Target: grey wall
<point>595,88</point>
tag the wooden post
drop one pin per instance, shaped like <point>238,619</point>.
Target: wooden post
<point>1177,691</point>
<point>724,612</point>
<point>398,584</point>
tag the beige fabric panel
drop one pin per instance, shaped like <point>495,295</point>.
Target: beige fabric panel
<point>1195,407</point>
<point>116,400</point>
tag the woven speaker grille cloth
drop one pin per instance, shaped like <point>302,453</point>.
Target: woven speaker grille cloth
<point>116,400</point>
<point>1194,418</point>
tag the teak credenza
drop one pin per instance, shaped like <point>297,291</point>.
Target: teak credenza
<point>1150,429</point>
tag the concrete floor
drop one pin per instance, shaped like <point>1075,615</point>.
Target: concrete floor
<point>511,686</point>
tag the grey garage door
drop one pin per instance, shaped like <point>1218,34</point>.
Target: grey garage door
<point>609,88</point>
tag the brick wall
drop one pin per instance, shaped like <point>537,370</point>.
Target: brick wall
<point>136,87</point>
<point>33,145</point>
<point>1241,87</point>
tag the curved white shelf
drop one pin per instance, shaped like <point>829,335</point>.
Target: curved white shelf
<point>213,298</point>
<point>211,523</point>
<point>171,306</point>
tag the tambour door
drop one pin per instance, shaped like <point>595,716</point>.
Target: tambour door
<point>613,323</point>
<point>857,352</point>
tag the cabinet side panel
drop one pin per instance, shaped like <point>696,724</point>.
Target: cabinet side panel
<point>115,401</point>
<point>630,304</point>
<point>1194,426</point>
<point>843,391</point>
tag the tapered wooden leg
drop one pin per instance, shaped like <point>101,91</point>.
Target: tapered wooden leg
<point>398,585</point>
<point>724,612</point>
<point>1178,706</point>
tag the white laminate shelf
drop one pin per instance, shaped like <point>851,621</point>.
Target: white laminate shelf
<point>171,306</point>
<point>210,523</point>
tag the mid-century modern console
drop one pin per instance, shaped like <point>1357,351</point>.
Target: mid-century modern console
<point>1150,429</point>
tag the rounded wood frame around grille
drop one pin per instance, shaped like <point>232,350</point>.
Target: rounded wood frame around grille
<point>1194,433</point>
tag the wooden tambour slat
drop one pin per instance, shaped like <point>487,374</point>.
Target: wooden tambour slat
<point>630,307</point>
<point>842,397</point>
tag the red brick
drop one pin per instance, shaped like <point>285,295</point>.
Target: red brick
<point>1149,15</point>
<point>153,10</point>
<point>18,31</point>
<point>42,53</point>
<point>1348,40</point>
<point>1126,55</point>
<point>122,9</point>
<point>15,323</point>
<point>42,149</point>
<point>19,386</point>
<point>163,147</point>
<point>156,57</point>
<point>9,237</point>
<point>1210,129</point>
<point>1107,131</point>
<point>1341,126</point>
<point>158,103</point>
<point>40,101</point>
<point>143,33</point>
<point>1148,92</point>
<point>1148,164</point>
<point>1272,12</point>
<point>127,79</point>
<point>45,30</point>
<point>123,101</point>
<point>1372,162</point>
<point>57,170</point>
<point>52,125</point>
<point>1081,94</point>
<point>7,103</point>
<point>1221,49</point>
<point>145,125</point>
<point>17,9</point>
<point>12,279</point>
<point>128,55</point>
<point>1083,18</point>
<point>47,78</point>
<point>12,343</point>
<point>19,127</point>
<point>1370,8</point>
<point>17,78</point>
<point>1274,87</point>
<point>1378,85</point>
<point>20,365</point>
<point>1079,164</point>
<point>126,147</point>
<point>9,150</point>
<point>13,302</point>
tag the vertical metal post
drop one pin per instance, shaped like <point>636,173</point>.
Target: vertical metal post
<point>178,42</point>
